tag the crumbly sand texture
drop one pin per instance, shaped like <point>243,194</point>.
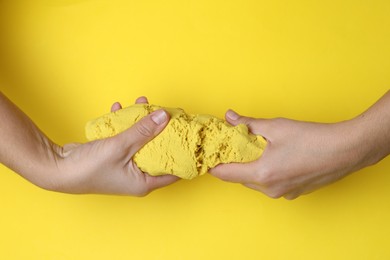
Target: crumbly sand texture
<point>189,145</point>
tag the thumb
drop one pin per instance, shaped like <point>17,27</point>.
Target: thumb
<point>143,131</point>
<point>235,172</point>
<point>255,125</point>
<point>155,182</point>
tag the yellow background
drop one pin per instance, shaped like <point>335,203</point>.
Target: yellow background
<point>64,62</point>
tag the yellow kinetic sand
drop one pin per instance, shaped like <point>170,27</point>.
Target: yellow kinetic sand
<point>189,145</point>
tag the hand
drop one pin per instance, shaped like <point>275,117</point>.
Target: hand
<point>106,166</point>
<point>300,157</point>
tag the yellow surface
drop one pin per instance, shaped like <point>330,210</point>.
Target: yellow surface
<point>64,62</point>
<point>189,145</point>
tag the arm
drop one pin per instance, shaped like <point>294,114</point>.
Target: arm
<point>301,157</point>
<point>103,166</point>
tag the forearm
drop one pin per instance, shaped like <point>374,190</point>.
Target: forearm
<point>24,148</point>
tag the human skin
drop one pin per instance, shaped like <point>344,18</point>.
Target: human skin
<point>99,167</point>
<point>301,157</point>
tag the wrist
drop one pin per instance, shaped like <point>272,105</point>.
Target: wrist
<point>47,173</point>
<point>371,139</point>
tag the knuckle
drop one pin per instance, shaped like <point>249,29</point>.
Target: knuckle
<point>142,192</point>
<point>274,193</point>
<point>245,120</point>
<point>250,122</point>
<point>291,197</point>
<point>266,177</point>
<point>273,186</point>
<point>144,129</point>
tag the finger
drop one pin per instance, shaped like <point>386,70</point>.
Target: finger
<point>116,106</point>
<point>155,182</point>
<point>254,186</point>
<point>292,195</point>
<point>142,100</point>
<point>235,172</point>
<point>256,126</point>
<point>305,189</point>
<point>143,131</point>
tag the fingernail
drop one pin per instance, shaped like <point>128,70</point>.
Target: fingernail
<point>159,117</point>
<point>232,115</point>
<point>141,100</point>
<point>116,106</point>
